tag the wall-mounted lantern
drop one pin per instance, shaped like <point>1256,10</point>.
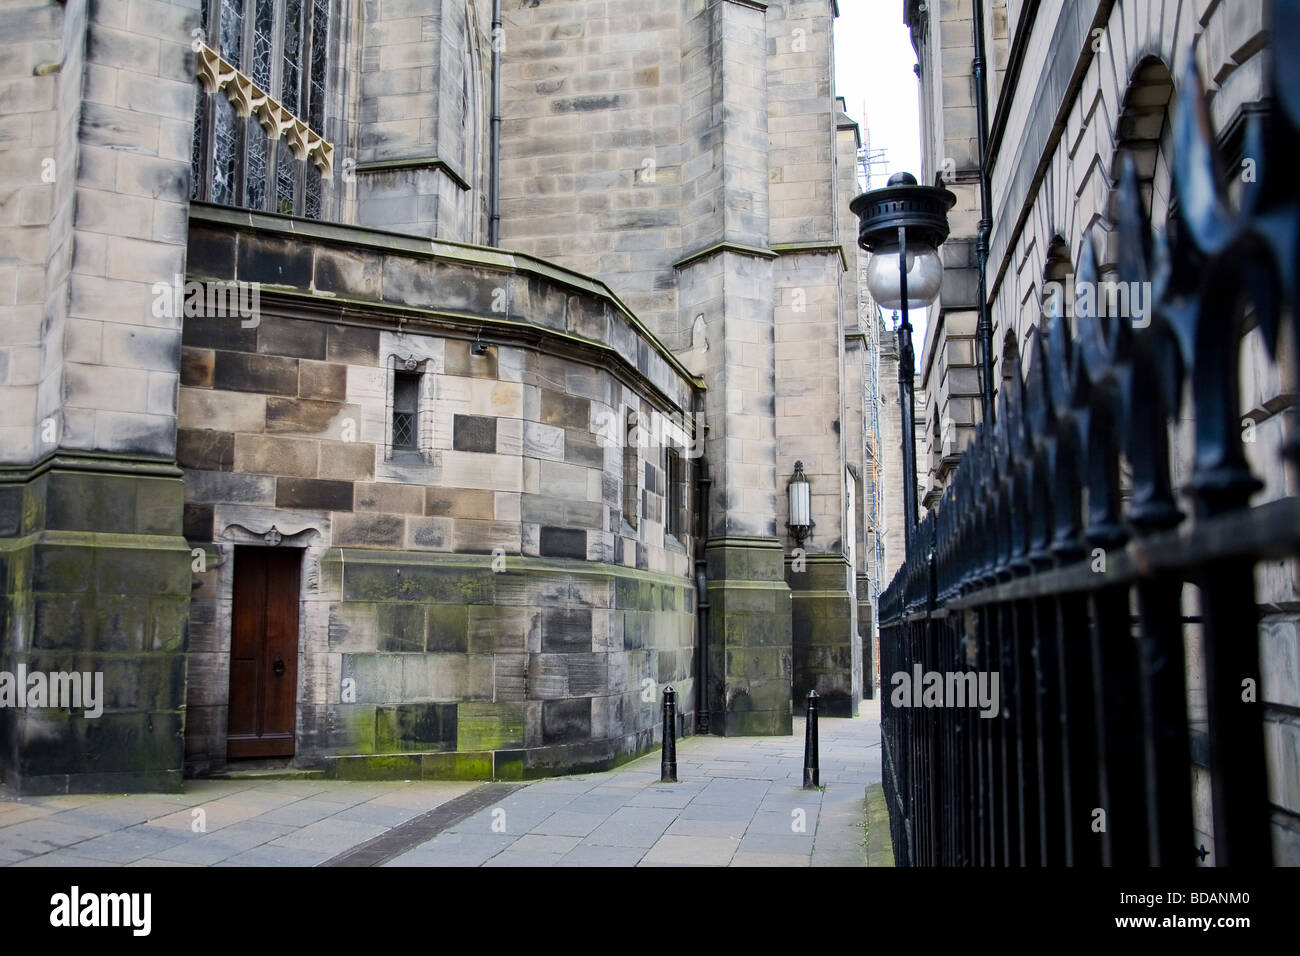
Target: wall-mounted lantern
<point>800,492</point>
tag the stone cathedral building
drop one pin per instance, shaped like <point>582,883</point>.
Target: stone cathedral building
<point>1073,88</point>
<point>394,391</point>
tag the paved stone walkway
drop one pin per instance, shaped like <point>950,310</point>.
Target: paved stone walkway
<point>738,803</point>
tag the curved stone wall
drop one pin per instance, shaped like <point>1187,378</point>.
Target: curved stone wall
<point>483,604</point>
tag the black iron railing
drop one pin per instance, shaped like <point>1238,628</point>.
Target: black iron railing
<point>1040,566</point>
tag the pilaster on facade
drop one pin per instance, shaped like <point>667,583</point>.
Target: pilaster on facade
<point>421,119</point>
<point>90,495</point>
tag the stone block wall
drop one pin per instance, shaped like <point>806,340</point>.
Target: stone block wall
<point>947,375</point>
<point>97,113</point>
<point>860,404</point>
<point>95,580</point>
<point>592,154</point>
<point>751,657</point>
<point>98,163</point>
<point>805,204</point>
<point>36,144</point>
<point>637,149</point>
<point>687,155</point>
<point>810,400</point>
<point>422,101</point>
<point>825,637</point>
<point>460,670</point>
<point>492,606</point>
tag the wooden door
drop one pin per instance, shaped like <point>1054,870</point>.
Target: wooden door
<point>264,653</point>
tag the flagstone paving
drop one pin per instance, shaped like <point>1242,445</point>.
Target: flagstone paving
<point>738,802</point>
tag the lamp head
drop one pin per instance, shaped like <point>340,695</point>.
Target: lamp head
<point>922,211</point>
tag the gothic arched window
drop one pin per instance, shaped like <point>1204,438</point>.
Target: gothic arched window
<point>280,47</point>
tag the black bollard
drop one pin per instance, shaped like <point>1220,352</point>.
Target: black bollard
<point>668,762</point>
<point>811,775</point>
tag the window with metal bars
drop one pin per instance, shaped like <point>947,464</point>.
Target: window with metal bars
<point>631,472</point>
<point>675,481</point>
<point>406,407</point>
<point>282,46</point>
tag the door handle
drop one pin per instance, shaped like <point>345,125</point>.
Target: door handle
<point>277,665</point>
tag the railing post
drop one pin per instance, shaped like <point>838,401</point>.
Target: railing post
<point>668,759</point>
<point>811,773</point>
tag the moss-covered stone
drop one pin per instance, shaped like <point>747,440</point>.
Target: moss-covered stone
<point>508,765</point>
<point>357,728</point>
<point>400,627</point>
<point>461,765</point>
<point>405,728</point>
<point>99,583</point>
<point>446,627</point>
<point>377,767</point>
<point>483,725</point>
<point>758,723</point>
<point>749,637</point>
<point>370,580</point>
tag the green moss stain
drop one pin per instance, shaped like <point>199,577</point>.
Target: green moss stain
<point>387,767</point>
<point>358,721</point>
<point>457,766</point>
<point>486,726</point>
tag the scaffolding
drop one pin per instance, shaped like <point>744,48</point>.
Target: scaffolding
<point>870,322</point>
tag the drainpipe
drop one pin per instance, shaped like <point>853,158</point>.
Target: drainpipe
<point>984,329</point>
<point>494,147</point>
<point>702,484</point>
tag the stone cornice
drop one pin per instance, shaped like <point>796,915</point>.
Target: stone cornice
<point>90,461</point>
<point>487,257</point>
<point>464,325</point>
<point>416,162</point>
<point>744,541</point>
<point>818,558</point>
<point>795,248</point>
<point>724,246</point>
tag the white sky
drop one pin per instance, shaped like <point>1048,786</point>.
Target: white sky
<point>873,72</point>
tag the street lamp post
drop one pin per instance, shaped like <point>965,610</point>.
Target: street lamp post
<point>902,225</point>
<point>984,328</point>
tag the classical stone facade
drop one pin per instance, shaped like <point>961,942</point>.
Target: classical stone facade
<point>262,381</point>
<point>1074,88</point>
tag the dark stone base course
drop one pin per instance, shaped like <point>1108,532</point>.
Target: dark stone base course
<point>822,637</point>
<point>99,581</point>
<point>592,756</point>
<point>757,723</point>
<point>463,672</point>
<point>750,653</point>
<point>153,781</point>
